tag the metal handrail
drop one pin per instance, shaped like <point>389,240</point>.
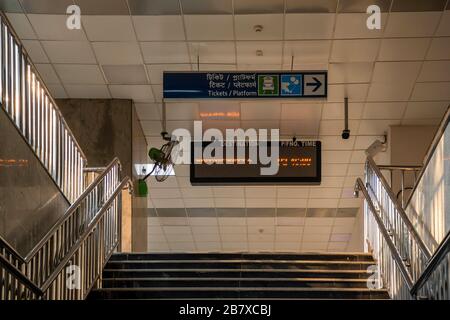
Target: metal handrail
<point>400,210</point>
<point>86,233</point>
<point>71,209</point>
<point>395,254</point>
<point>34,112</point>
<point>437,137</point>
<point>5,20</point>
<point>436,259</point>
<point>20,276</point>
<point>40,291</point>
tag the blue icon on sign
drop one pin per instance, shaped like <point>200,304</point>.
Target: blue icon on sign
<point>291,85</point>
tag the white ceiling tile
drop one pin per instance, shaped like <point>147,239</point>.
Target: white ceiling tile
<point>396,72</point>
<point>156,71</point>
<point>444,25</point>
<point>197,192</point>
<point>389,91</point>
<point>158,92</point>
<point>87,91</point>
<point>344,221</point>
<point>47,73</point>
<point>79,74</point>
<point>349,203</point>
<point>363,142</point>
<point>332,111</point>
<point>208,246</point>
<point>35,51</point>
<point>53,27</point>
<point>117,52</point>
<point>332,182</point>
<point>433,91</point>
<point>135,92</point>
<point>229,203</point>
<point>151,128</point>
<point>219,27</point>
<point>234,246</point>
<point>355,169</point>
<point>159,28</point>
<point>261,246</point>
<point>303,127</point>
<point>319,229</point>
<point>182,111</point>
<point>322,203</point>
<point>125,74</point>
<point>335,156</point>
<point>203,221</point>
<point>21,25</point>
<point>308,26</point>
<point>260,192</point>
<point>337,246</point>
<point>214,67</point>
<point>412,24</point>
<point>260,124</point>
<point>439,49</point>
<point>335,127</point>
<point>272,26</point>
<point>334,170</point>
<point>355,92</point>
<point>358,156</point>
<point>69,52</point>
<point>337,143</point>
<point>314,246</point>
<point>261,203</point>
<point>426,110</point>
<point>310,111</point>
<point>246,52</point>
<point>292,192</point>
<point>199,202</point>
<point>360,50</point>
<point>435,71</point>
<point>288,221</point>
<point>108,28</point>
<point>350,72</point>
<point>291,203</point>
<point>168,203</point>
<point>384,110</point>
<point>315,238</point>
<point>260,110</point>
<point>306,51</point>
<point>163,194</point>
<point>57,91</point>
<point>324,193</point>
<point>255,225</point>
<point>228,192</point>
<point>354,25</point>
<point>376,127</point>
<point>165,52</point>
<point>202,230</point>
<point>213,52</point>
<point>399,49</point>
<point>182,170</point>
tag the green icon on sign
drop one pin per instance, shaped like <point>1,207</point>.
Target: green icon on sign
<point>268,85</point>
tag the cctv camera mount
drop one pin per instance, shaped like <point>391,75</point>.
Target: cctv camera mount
<point>346,131</point>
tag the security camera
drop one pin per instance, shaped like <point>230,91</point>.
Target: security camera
<point>345,134</point>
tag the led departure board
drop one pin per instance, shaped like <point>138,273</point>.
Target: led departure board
<point>298,162</point>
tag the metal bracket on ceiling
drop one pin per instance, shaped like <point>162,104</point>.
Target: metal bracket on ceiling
<point>346,131</point>
<point>292,63</point>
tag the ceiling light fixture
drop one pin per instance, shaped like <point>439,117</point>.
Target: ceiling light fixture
<point>259,53</point>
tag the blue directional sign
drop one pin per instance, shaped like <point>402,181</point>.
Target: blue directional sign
<point>245,85</point>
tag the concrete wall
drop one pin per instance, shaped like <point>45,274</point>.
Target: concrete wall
<point>108,128</point>
<point>103,128</point>
<point>408,146</point>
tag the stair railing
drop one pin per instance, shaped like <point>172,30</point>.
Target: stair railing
<point>80,243</point>
<point>29,104</point>
<point>434,283</point>
<point>392,271</point>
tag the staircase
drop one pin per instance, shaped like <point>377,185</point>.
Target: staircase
<point>237,276</point>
